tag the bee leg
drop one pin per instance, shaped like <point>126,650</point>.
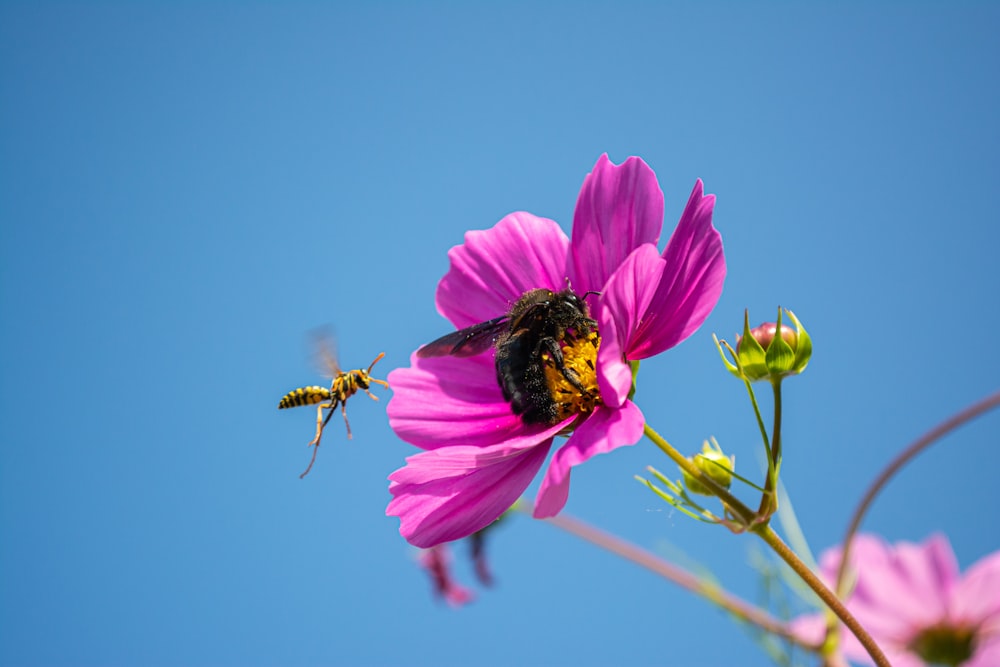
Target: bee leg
<point>551,346</point>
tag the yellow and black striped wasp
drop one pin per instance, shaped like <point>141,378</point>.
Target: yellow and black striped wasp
<point>344,385</point>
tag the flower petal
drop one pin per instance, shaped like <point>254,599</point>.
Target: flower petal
<point>987,652</point>
<point>900,589</point>
<point>625,299</point>
<point>494,267</point>
<point>620,207</point>
<point>691,283</point>
<point>606,429</point>
<point>976,598</point>
<point>441,401</point>
<point>449,493</point>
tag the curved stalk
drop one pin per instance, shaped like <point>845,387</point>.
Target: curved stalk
<point>712,592</point>
<point>904,457</point>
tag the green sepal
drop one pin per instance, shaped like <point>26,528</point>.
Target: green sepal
<point>634,365</point>
<point>780,355</point>
<point>804,348</point>
<point>729,366</point>
<point>752,357</point>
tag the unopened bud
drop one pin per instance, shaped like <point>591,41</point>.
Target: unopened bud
<point>713,463</point>
<point>764,334</point>
<point>762,354</point>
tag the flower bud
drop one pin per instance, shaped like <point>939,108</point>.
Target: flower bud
<point>714,464</point>
<point>764,335</point>
<point>762,354</point>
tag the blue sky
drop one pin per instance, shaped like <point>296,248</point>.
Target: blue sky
<point>187,190</point>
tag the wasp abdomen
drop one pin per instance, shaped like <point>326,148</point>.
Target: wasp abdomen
<point>304,396</point>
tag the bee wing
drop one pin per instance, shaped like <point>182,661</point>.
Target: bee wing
<point>466,342</point>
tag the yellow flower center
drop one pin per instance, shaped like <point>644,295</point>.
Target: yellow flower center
<point>579,358</point>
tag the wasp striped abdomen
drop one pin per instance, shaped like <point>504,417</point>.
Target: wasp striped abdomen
<point>304,396</point>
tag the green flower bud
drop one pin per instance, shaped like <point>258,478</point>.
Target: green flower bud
<point>713,463</point>
<point>762,354</point>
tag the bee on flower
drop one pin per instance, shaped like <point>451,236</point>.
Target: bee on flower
<point>546,328</point>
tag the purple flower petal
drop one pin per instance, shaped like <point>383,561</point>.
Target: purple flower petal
<point>691,282</point>
<point>494,267</point>
<point>605,430</point>
<point>443,401</point>
<point>449,493</point>
<point>626,298</point>
<point>620,207</point>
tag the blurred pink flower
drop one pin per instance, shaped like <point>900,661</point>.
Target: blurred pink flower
<point>480,456</point>
<point>916,605</point>
<point>437,562</point>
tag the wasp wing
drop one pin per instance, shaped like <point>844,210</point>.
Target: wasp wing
<point>324,352</point>
<point>466,342</point>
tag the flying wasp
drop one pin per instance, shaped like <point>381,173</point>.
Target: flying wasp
<point>344,385</point>
<point>528,339</point>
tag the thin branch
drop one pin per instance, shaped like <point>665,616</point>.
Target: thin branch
<point>904,457</point>
<point>709,590</point>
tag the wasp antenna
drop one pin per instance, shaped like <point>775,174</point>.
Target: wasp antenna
<point>377,359</point>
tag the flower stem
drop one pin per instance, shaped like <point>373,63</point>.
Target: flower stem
<point>760,420</point>
<point>769,499</point>
<point>767,534</point>
<point>709,590</point>
<point>904,457</point>
<point>744,513</point>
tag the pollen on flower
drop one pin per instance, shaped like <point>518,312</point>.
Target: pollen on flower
<point>580,358</point>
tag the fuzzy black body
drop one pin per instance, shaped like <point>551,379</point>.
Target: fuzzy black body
<point>534,327</point>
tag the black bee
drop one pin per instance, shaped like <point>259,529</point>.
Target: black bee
<point>534,327</point>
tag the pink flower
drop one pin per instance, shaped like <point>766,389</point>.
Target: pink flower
<point>916,605</point>
<point>437,562</point>
<point>480,456</point>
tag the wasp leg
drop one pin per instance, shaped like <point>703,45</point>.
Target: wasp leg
<point>381,382</point>
<point>320,425</point>
<point>343,411</point>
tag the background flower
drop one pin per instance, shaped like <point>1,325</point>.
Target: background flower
<point>916,605</point>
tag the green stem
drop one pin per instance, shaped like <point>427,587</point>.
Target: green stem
<point>712,592</point>
<point>760,420</point>
<point>904,457</point>
<point>767,534</point>
<point>744,513</point>
<point>769,500</point>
